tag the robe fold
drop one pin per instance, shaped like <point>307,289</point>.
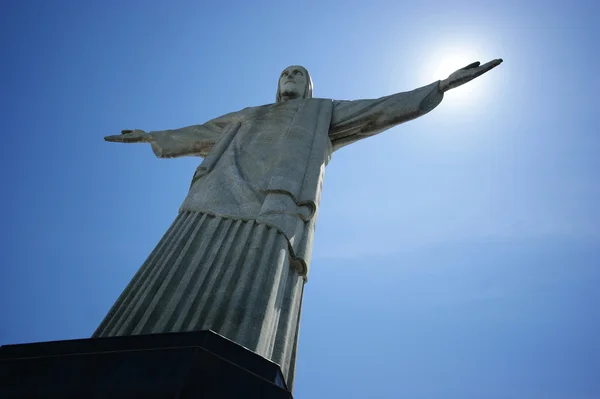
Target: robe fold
<point>236,258</point>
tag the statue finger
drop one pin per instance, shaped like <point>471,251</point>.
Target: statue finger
<point>473,65</point>
<point>492,64</point>
<point>126,131</point>
<point>118,138</point>
<point>488,66</point>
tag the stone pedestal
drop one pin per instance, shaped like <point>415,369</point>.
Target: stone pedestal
<point>198,364</point>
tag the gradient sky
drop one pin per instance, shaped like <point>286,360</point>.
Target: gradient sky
<point>456,256</point>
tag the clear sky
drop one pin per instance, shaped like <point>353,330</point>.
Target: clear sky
<point>456,256</point>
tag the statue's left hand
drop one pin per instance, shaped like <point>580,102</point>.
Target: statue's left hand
<point>467,74</point>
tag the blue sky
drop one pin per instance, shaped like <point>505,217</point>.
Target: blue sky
<point>456,256</point>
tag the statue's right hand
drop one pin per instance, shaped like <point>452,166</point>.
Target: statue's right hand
<point>129,136</point>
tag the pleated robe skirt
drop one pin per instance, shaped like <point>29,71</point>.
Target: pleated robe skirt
<point>230,276</point>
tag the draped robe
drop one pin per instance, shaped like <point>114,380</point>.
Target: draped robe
<point>236,258</point>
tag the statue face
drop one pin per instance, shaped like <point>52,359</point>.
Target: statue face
<point>292,83</point>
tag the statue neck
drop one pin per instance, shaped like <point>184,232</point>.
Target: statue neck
<point>287,96</point>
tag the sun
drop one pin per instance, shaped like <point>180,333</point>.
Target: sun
<point>447,59</point>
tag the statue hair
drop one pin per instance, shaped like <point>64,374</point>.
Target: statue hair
<point>308,89</point>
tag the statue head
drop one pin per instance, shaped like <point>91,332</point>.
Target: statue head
<point>294,82</point>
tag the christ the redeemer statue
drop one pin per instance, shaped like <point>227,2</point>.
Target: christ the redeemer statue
<point>236,258</point>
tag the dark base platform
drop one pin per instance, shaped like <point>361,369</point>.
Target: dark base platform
<point>198,364</point>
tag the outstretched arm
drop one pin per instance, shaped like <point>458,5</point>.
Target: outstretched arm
<point>355,120</point>
<point>196,140</point>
